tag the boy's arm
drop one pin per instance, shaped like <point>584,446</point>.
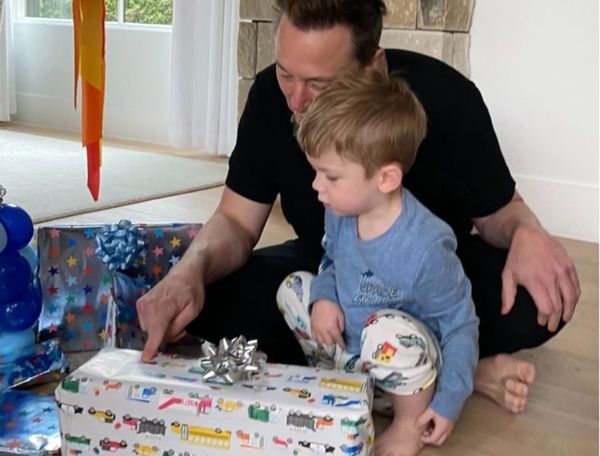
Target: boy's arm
<point>323,285</point>
<point>444,293</point>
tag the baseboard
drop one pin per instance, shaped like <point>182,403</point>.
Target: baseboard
<point>144,125</point>
<point>566,209</point>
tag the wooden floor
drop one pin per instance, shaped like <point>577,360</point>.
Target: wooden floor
<point>562,417</point>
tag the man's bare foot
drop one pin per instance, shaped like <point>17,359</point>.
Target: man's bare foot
<point>401,438</point>
<point>506,380</point>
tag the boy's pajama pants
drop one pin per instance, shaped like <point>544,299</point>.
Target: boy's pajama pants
<point>400,352</point>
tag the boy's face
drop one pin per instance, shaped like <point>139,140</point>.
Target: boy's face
<point>343,186</point>
<point>307,62</point>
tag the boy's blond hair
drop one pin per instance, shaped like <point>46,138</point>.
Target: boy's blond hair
<point>367,117</point>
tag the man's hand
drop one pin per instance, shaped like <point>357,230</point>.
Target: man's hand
<point>437,429</point>
<point>539,263</point>
<point>327,323</point>
<point>166,310</point>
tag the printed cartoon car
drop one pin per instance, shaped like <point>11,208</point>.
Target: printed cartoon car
<point>308,420</point>
<point>228,406</point>
<point>351,363</point>
<point>140,393</point>
<point>394,380</point>
<point>343,384</point>
<point>111,386</point>
<point>384,352</point>
<point>112,445</point>
<point>263,413</point>
<point>78,440</point>
<point>105,415</point>
<point>317,447</point>
<point>144,450</point>
<point>351,426</point>
<point>153,426</point>
<point>352,450</point>
<point>70,408</point>
<point>301,393</point>
<point>301,378</point>
<point>253,441</point>
<point>75,385</point>
<point>341,401</point>
<point>130,421</point>
<point>295,283</point>
<point>257,387</point>
<point>285,443</point>
<point>412,340</point>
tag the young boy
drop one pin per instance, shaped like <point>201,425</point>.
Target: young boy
<point>391,297</point>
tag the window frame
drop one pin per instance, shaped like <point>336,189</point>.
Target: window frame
<point>20,9</point>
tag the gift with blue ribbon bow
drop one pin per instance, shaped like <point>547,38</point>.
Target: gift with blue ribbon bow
<point>84,267</point>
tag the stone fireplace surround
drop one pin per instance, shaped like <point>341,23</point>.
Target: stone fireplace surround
<point>439,28</point>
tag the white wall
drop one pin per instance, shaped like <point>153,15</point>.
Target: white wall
<point>536,63</point>
<point>138,73</point>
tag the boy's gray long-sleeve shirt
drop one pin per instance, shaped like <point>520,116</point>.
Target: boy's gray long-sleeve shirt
<point>411,267</point>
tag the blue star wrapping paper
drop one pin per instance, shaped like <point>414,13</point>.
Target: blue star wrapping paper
<point>32,364</point>
<point>77,287</point>
<point>28,424</point>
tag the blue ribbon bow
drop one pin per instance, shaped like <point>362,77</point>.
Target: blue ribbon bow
<point>120,245</point>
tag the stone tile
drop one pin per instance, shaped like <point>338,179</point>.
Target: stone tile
<point>436,44</point>
<point>448,15</point>
<point>243,89</point>
<point>247,50</point>
<point>401,14</point>
<point>461,59</point>
<point>265,46</point>
<point>257,10</point>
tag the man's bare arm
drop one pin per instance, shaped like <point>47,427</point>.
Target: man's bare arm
<point>536,260</point>
<point>226,240</point>
<point>220,247</point>
<point>499,228</point>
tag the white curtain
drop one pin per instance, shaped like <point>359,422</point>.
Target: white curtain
<point>8,98</point>
<point>203,108</point>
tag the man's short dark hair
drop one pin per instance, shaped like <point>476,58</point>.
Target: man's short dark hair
<point>363,17</point>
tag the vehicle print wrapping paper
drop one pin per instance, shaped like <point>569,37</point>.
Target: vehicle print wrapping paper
<point>116,404</point>
<point>76,284</point>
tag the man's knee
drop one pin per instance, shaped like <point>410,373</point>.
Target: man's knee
<point>517,330</point>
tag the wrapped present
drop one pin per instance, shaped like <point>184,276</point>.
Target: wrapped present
<point>76,283</point>
<point>183,406</point>
<point>32,364</point>
<point>28,424</point>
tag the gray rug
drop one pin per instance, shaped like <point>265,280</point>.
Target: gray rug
<point>47,176</point>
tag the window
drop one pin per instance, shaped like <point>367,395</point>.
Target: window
<point>158,12</point>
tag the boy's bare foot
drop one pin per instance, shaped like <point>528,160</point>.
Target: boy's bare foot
<point>401,438</point>
<point>506,380</point>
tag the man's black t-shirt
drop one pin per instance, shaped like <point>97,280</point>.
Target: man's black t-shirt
<point>459,172</point>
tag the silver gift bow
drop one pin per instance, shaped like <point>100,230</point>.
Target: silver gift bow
<point>231,361</point>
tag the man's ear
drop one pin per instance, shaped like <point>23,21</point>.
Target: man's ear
<point>378,61</point>
<point>390,177</point>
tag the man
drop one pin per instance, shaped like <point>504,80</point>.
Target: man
<point>525,287</point>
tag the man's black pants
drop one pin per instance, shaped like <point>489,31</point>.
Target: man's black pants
<point>244,302</point>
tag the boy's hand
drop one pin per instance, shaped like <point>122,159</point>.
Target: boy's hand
<point>327,323</point>
<point>437,429</point>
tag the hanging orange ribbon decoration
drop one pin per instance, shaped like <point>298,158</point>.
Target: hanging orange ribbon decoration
<point>89,48</point>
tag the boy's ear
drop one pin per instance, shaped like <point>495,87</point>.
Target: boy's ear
<point>390,177</point>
